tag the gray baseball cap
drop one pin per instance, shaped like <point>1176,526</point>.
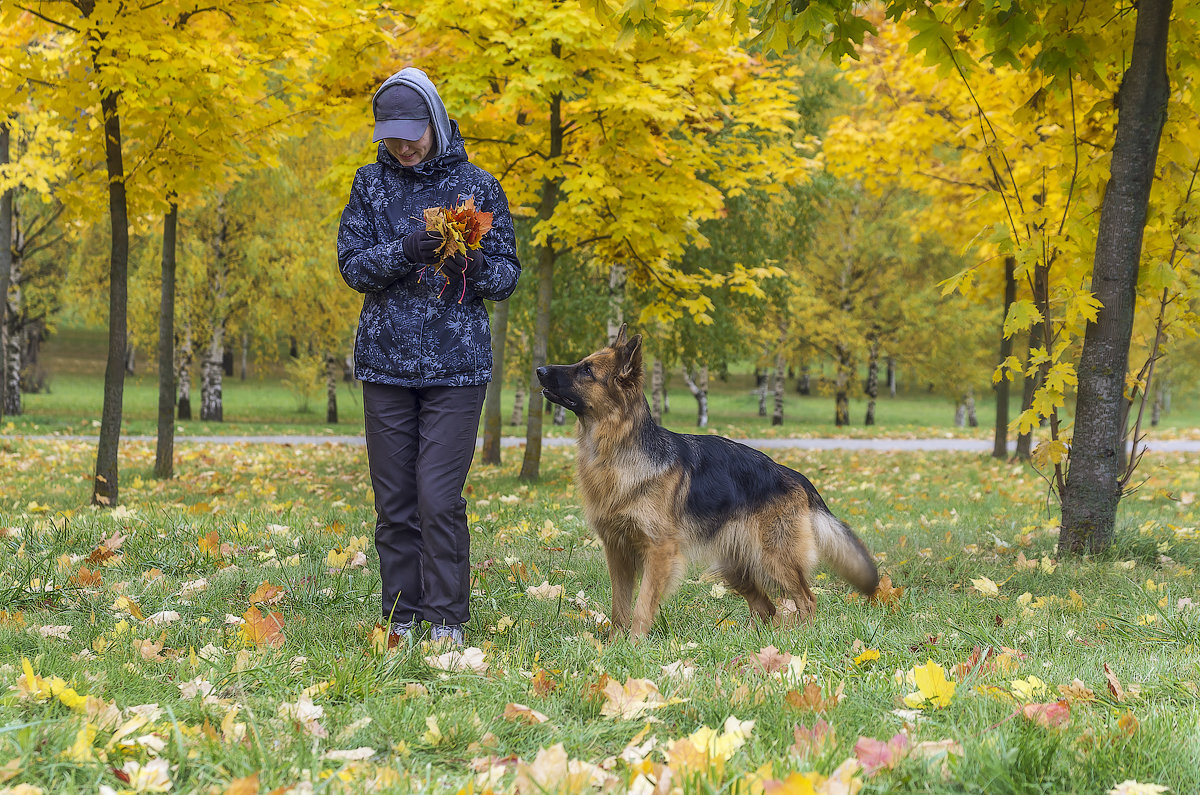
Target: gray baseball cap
<point>400,112</point>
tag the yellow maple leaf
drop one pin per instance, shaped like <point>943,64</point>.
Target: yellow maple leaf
<point>933,689</point>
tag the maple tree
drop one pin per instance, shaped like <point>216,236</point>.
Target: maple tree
<point>1028,185</point>
<point>617,157</point>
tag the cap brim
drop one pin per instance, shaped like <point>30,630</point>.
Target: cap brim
<point>408,129</point>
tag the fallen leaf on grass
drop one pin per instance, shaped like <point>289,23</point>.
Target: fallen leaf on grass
<point>630,700</point>
<point>985,586</point>
<point>812,742</point>
<point>162,617</point>
<point>1128,723</point>
<point>886,593</point>
<point>545,591</point>
<point>259,629</point>
<point>523,714</point>
<point>1077,691</point>
<point>1131,787</point>
<point>811,698</point>
<point>770,659</point>
<point>1052,715</point>
<point>149,650</point>
<point>267,594</point>
<point>468,659</point>
<point>553,771</point>
<point>876,755</point>
<point>247,785</point>
<point>1114,684</point>
<point>933,689</point>
<point>349,754</point>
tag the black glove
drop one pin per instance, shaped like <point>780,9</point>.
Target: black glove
<point>465,263</point>
<point>421,247</point>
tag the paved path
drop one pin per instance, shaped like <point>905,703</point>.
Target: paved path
<point>886,445</point>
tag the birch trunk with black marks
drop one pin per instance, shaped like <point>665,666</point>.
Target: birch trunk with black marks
<point>1093,487</point>
<point>14,325</point>
<point>616,300</point>
<point>518,410</point>
<point>245,363</point>
<point>656,391</point>
<point>872,388</point>
<point>891,376</point>
<point>780,383</point>
<point>184,373</point>
<point>560,415</point>
<point>495,388</point>
<point>164,452</point>
<point>546,255</point>
<point>1032,382</point>
<point>332,368</point>
<point>1000,434</point>
<point>105,489</point>
<point>760,389</point>
<point>212,366</point>
<point>845,371</point>
<point>699,389</point>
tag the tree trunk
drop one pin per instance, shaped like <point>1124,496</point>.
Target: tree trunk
<point>495,390</point>
<point>960,414</point>
<point>1093,487</point>
<point>211,372</point>
<point>184,378</point>
<point>616,300</point>
<point>1000,435</point>
<point>804,381</point>
<point>891,375</point>
<point>872,389</point>
<point>560,415</point>
<point>246,354</point>
<point>656,390</point>
<point>518,412</point>
<point>841,408</point>
<point>699,390</point>
<point>530,466</point>
<point>105,490</point>
<point>778,386</point>
<point>1156,408</point>
<point>760,389</point>
<point>130,359</point>
<point>164,453</point>
<point>969,402</point>
<point>6,260</point>
<point>212,367</point>
<point>332,366</point>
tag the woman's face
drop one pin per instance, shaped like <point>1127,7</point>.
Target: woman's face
<point>409,153</point>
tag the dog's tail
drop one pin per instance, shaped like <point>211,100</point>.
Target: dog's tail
<point>844,552</point>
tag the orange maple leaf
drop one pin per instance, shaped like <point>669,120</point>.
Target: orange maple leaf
<point>86,576</point>
<point>210,544</point>
<point>812,699</point>
<point>886,593</point>
<point>260,629</point>
<point>268,594</point>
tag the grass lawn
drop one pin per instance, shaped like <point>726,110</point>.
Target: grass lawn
<point>132,652</point>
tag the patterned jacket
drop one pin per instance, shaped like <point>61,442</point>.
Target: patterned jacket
<point>408,334</point>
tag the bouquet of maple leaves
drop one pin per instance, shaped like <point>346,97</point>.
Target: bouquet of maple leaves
<point>461,228</point>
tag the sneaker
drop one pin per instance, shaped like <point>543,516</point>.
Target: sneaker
<point>452,631</point>
<point>400,632</point>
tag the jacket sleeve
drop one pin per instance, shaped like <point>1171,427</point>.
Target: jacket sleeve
<point>494,274</point>
<point>367,263</point>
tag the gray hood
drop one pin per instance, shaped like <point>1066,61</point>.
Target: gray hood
<point>417,80</point>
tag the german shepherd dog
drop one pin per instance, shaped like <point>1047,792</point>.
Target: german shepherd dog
<point>658,499</point>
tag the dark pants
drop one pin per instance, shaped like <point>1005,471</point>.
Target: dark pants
<point>419,447</point>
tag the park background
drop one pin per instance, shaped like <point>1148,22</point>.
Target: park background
<point>827,219</point>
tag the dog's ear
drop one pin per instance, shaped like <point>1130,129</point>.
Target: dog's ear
<point>620,339</point>
<point>631,357</point>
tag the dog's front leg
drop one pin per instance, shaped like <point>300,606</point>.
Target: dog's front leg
<point>622,569</point>
<point>664,566</point>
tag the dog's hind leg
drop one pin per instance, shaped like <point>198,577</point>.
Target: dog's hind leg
<point>748,588</point>
<point>622,569</point>
<point>790,575</point>
<point>664,567</point>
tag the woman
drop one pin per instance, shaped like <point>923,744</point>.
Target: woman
<point>423,350</point>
